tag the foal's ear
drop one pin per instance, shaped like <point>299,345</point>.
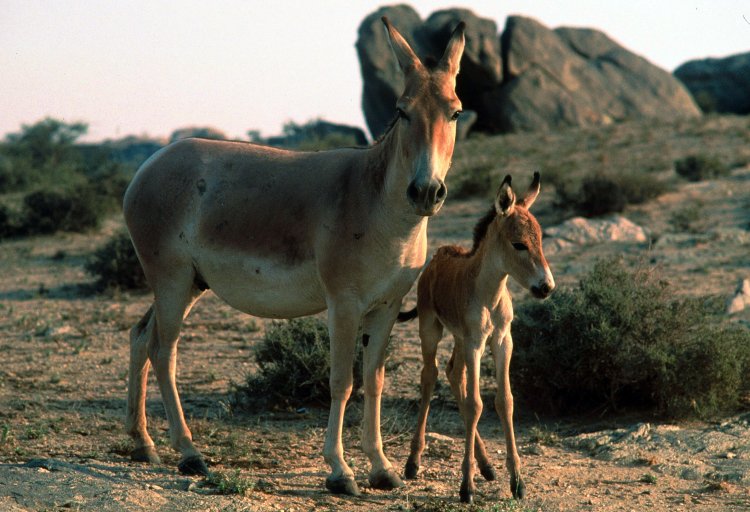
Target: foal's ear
<point>532,192</point>
<point>407,59</point>
<point>505,200</point>
<point>451,58</point>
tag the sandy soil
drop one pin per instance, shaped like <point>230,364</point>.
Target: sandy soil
<point>63,385</point>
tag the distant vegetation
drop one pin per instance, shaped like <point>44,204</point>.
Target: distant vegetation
<point>621,340</point>
<point>54,184</point>
<point>700,167</point>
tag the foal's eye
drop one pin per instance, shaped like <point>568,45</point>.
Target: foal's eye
<point>455,115</point>
<point>402,114</point>
<point>520,247</point>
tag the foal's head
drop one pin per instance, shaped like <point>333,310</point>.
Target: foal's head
<point>516,239</point>
<point>426,125</point>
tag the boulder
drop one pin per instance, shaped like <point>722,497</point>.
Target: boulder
<point>741,298</point>
<point>719,85</point>
<point>383,81</point>
<point>582,231</point>
<point>578,77</point>
<point>530,78</point>
<point>202,132</point>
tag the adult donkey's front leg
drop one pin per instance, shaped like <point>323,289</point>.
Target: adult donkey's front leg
<point>376,330</point>
<point>343,323</point>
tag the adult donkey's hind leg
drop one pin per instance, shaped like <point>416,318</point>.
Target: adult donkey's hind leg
<point>136,425</point>
<point>174,299</point>
<point>153,342</point>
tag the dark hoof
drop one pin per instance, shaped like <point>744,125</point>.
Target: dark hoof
<point>342,485</point>
<point>488,472</point>
<point>465,494</point>
<point>145,454</point>
<point>518,488</point>
<point>411,470</point>
<point>386,480</point>
<point>194,465</point>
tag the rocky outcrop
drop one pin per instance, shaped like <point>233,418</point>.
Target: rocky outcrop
<point>719,85</point>
<point>382,80</point>
<point>202,132</point>
<point>578,77</point>
<point>530,78</point>
<point>580,231</point>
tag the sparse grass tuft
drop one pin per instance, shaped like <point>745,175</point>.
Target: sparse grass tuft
<point>230,483</point>
<point>700,167</point>
<point>621,340</point>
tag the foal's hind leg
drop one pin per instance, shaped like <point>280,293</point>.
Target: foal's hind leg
<point>430,333</point>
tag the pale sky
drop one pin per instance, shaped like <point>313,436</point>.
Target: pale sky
<point>147,67</point>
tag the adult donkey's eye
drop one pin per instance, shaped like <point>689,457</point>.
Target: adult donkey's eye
<point>455,115</point>
<point>402,114</point>
<point>520,247</point>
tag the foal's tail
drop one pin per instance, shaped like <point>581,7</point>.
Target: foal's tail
<point>405,316</point>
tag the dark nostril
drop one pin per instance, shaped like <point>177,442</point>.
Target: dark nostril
<point>442,191</point>
<point>412,192</point>
<point>545,289</point>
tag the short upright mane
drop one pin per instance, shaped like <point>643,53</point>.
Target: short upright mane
<point>480,230</point>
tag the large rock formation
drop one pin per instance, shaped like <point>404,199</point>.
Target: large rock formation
<point>530,78</point>
<point>382,79</point>
<point>719,85</point>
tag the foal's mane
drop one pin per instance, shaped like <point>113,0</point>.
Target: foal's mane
<point>480,230</point>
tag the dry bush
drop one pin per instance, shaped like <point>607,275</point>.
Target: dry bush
<point>116,265</point>
<point>293,366</point>
<point>621,340</point>
<point>700,167</point>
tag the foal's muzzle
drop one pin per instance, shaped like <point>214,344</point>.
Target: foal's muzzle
<point>427,197</point>
<point>542,290</point>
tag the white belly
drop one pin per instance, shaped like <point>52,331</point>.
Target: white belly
<point>262,288</point>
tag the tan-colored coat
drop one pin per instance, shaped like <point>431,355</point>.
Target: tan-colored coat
<point>282,234</point>
<point>465,291</point>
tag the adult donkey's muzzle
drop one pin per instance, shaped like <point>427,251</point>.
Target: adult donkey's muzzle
<point>427,196</point>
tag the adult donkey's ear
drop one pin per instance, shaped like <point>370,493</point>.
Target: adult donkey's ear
<point>531,193</point>
<point>407,59</point>
<point>451,59</point>
<point>505,200</point>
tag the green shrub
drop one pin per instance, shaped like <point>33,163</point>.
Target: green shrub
<point>294,365</point>
<point>700,167</point>
<point>597,195</point>
<point>621,340</point>
<point>639,187</point>
<point>48,211</point>
<point>116,265</point>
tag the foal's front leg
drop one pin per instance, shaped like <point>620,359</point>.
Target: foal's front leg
<point>376,330</point>
<point>501,352</point>
<point>472,412</point>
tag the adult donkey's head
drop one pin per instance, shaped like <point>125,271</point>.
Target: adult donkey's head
<point>426,125</point>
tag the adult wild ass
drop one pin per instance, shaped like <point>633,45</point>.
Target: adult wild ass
<point>282,234</point>
<point>465,291</point>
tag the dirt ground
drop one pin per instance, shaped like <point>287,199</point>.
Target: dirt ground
<point>63,383</point>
